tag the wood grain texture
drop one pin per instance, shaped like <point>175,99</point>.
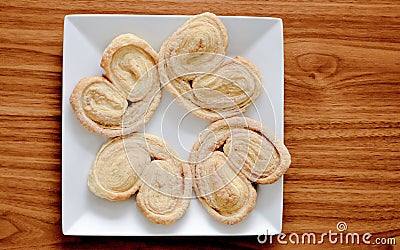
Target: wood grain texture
<point>342,118</point>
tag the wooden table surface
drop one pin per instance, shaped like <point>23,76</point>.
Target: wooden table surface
<point>342,118</point>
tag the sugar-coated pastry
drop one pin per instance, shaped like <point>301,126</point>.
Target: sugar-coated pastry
<point>194,69</point>
<point>143,163</point>
<point>124,99</point>
<point>230,155</point>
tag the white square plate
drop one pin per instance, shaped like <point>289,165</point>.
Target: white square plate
<point>85,37</point>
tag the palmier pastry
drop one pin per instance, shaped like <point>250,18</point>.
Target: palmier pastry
<point>226,195</point>
<point>194,69</point>
<point>165,194</point>
<point>124,99</point>
<point>248,150</point>
<point>112,176</point>
<point>143,163</point>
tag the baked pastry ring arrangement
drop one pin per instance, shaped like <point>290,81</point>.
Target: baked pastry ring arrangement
<point>143,163</point>
<point>124,99</point>
<point>231,156</point>
<point>227,158</point>
<point>194,69</point>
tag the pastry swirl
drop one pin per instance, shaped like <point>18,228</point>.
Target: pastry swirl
<point>194,70</point>
<point>164,196</point>
<point>226,195</point>
<point>124,99</point>
<point>245,152</point>
<point>144,164</point>
<point>112,176</point>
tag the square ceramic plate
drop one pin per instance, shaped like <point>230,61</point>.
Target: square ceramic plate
<point>85,37</point>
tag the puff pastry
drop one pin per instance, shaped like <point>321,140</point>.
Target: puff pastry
<point>124,99</point>
<point>143,163</point>
<point>193,68</point>
<point>245,152</point>
<point>226,195</point>
<point>166,194</point>
<point>112,177</point>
